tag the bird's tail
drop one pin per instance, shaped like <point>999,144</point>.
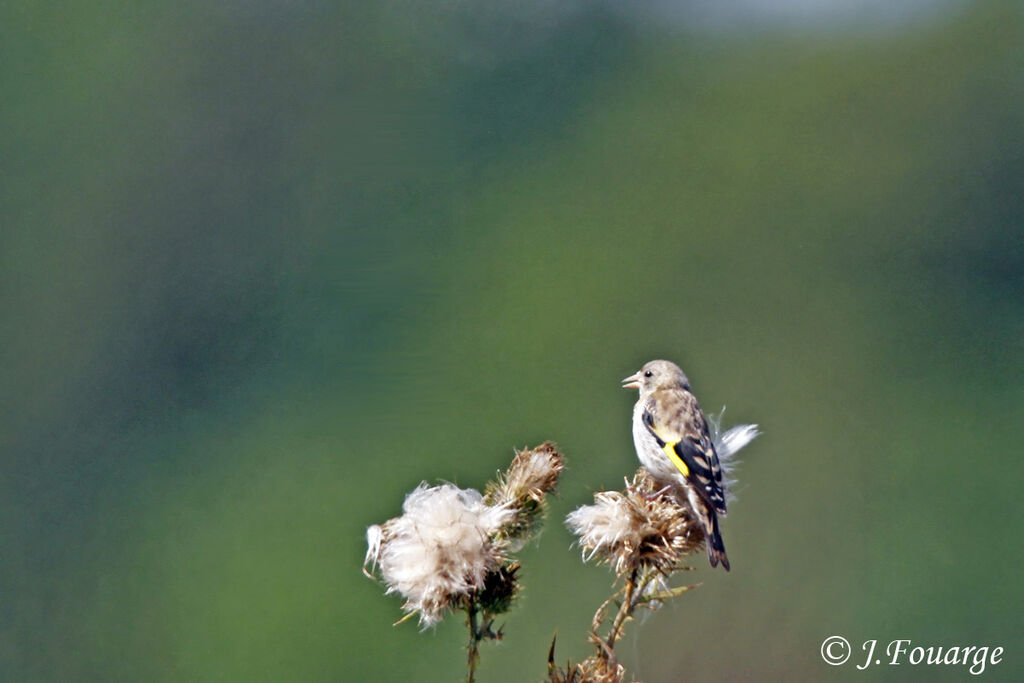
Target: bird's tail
<point>715,545</point>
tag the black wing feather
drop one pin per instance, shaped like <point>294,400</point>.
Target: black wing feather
<point>705,470</point>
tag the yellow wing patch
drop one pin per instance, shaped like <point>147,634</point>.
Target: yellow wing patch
<point>670,451</point>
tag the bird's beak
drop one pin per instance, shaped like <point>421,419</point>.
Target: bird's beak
<point>632,382</point>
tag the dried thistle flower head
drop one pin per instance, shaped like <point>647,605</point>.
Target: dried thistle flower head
<point>450,548</point>
<point>524,487</point>
<point>590,670</point>
<point>600,668</point>
<point>532,475</point>
<point>637,528</point>
<point>440,551</point>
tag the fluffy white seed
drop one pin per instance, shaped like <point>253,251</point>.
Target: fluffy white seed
<point>440,549</point>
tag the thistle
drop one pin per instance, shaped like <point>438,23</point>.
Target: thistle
<point>645,534</point>
<point>452,548</point>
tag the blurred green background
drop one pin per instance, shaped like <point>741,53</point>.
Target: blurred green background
<point>266,266</point>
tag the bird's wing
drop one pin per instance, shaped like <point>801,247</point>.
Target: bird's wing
<point>682,433</point>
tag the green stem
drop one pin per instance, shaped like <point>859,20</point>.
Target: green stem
<point>474,641</point>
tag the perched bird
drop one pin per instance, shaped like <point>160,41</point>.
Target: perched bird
<point>674,444</point>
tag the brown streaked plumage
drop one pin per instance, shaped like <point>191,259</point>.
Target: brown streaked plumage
<point>674,443</point>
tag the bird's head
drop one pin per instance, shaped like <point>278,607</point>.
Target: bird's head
<point>658,374</point>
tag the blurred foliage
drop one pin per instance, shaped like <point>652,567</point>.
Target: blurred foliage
<point>266,266</point>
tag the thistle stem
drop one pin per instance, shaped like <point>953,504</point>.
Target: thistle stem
<point>474,641</point>
<point>625,609</point>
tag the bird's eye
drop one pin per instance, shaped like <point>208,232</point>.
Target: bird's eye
<point>648,374</point>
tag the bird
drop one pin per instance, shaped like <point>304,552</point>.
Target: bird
<point>674,444</point>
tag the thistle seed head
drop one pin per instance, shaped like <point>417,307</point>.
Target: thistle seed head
<point>440,550</point>
<point>637,528</point>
